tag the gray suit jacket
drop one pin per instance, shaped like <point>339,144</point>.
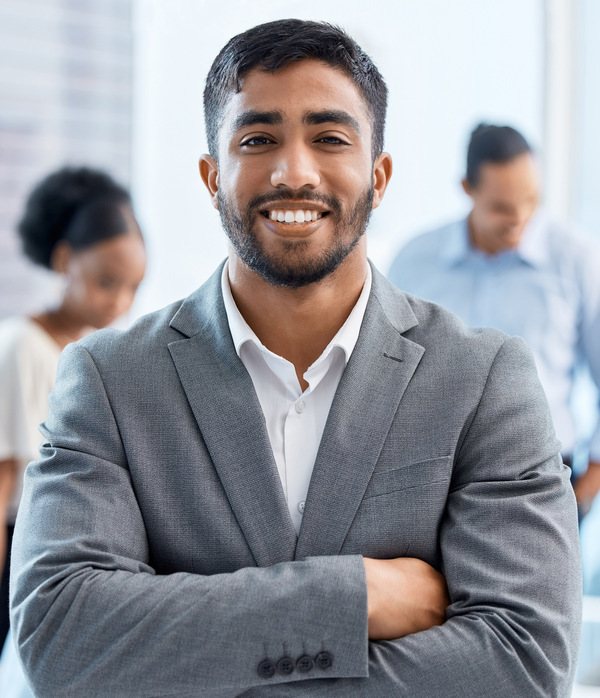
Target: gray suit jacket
<point>154,553</point>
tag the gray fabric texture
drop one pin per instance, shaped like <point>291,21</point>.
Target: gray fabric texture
<point>154,554</point>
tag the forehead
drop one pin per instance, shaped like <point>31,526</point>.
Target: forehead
<point>298,89</point>
<point>116,253</point>
<point>517,178</point>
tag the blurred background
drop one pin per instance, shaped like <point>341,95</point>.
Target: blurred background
<point>118,84</point>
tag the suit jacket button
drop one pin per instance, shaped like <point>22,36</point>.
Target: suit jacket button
<point>304,664</point>
<point>285,666</point>
<point>324,660</point>
<point>266,669</point>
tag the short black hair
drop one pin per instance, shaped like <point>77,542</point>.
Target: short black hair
<point>79,205</point>
<point>490,143</point>
<point>274,45</point>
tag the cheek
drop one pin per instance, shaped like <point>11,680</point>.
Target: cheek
<point>234,177</point>
<point>351,180</point>
<point>491,222</point>
<point>76,285</point>
<point>85,292</point>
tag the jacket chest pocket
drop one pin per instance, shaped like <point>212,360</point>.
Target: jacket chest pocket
<point>401,512</point>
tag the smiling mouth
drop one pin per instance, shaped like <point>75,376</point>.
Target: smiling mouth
<point>294,216</point>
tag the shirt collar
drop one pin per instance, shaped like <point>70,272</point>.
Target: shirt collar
<point>345,338</point>
<point>457,246</point>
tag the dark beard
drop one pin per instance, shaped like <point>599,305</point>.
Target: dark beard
<point>294,271</point>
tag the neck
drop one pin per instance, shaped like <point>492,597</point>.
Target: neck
<point>62,326</point>
<point>473,238</point>
<point>477,241</point>
<point>298,323</point>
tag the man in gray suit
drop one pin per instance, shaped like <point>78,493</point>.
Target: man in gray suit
<point>298,481</point>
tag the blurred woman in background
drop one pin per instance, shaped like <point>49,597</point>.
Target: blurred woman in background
<point>79,223</point>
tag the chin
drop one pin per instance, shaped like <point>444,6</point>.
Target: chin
<point>512,244</point>
<point>101,323</point>
<point>507,242</point>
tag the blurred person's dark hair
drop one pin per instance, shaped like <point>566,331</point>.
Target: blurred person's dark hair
<point>495,144</point>
<point>78,205</point>
<point>274,45</point>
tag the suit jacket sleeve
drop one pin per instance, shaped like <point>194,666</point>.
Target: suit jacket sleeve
<point>510,553</point>
<point>91,616</point>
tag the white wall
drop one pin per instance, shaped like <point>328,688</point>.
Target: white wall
<point>447,65</point>
<point>587,131</point>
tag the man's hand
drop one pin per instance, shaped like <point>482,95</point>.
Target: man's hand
<point>587,486</point>
<point>405,595</point>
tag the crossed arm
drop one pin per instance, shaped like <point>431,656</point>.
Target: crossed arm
<point>91,616</point>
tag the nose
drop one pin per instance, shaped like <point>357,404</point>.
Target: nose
<point>520,218</point>
<point>295,168</point>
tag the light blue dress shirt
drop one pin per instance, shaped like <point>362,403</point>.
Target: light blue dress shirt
<point>546,291</point>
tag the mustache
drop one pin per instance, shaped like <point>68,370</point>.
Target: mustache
<point>262,200</point>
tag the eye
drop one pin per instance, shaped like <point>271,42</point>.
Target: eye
<point>255,141</point>
<point>333,140</point>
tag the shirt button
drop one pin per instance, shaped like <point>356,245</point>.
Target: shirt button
<point>301,507</point>
<point>300,406</point>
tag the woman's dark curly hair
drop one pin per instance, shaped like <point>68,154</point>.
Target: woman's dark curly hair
<point>79,205</point>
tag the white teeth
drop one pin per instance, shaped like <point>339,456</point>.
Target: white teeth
<point>293,216</point>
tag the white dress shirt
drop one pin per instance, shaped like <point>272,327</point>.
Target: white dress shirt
<point>295,420</point>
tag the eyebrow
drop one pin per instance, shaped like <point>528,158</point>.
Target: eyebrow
<point>272,118</point>
<point>335,116</point>
<point>253,117</point>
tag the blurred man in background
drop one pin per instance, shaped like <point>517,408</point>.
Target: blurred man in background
<point>509,266</point>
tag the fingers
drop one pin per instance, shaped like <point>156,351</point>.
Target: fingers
<point>405,595</point>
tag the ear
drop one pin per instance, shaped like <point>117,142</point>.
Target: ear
<point>209,171</point>
<point>382,171</point>
<point>467,188</point>
<point>61,257</point>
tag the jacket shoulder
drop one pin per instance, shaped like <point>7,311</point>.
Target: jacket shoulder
<point>449,341</point>
<point>147,332</point>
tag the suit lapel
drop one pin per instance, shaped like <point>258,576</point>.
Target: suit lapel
<point>224,403</point>
<point>379,370</point>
